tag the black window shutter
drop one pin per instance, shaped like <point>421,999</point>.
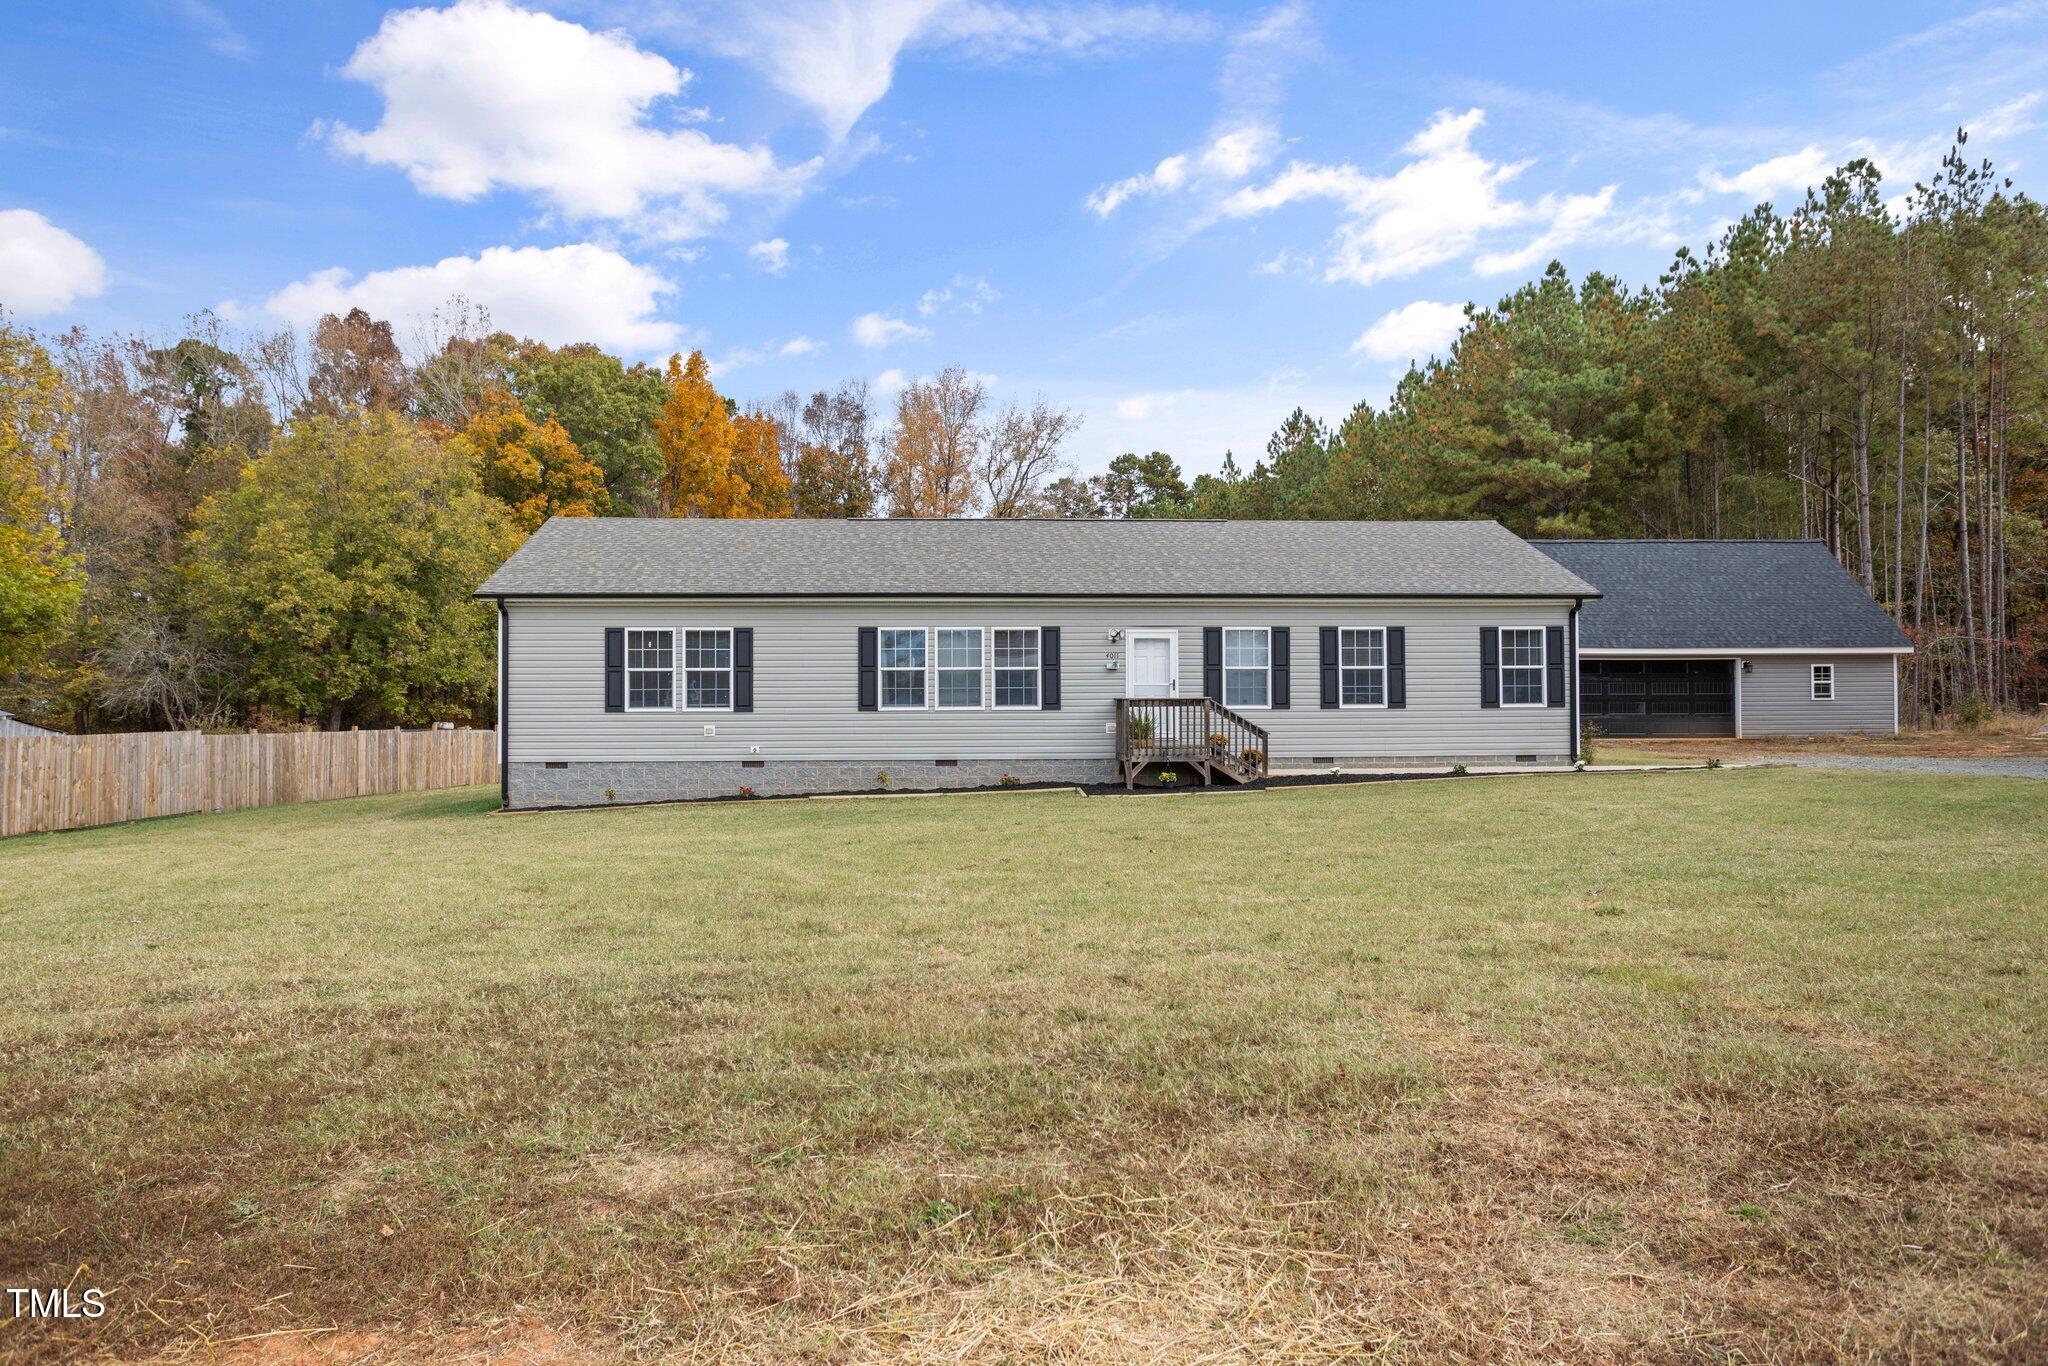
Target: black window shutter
<point>742,668</point>
<point>1489,666</point>
<point>614,668</point>
<point>1553,661</point>
<point>1212,663</point>
<point>1283,669</point>
<point>1397,666</point>
<point>1329,667</point>
<point>1049,667</point>
<point>869,686</point>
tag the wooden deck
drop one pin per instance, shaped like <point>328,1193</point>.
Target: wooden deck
<point>1203,734</point>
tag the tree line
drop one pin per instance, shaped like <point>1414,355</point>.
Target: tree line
<point>284,528</point>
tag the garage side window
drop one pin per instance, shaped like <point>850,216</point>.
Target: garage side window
<point>1521,666</point>
<point>1823,682</point>
<point>651,670</point>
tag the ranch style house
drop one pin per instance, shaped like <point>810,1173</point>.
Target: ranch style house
<point>673,659</point>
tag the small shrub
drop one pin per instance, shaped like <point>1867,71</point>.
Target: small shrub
<point>882,779</point>
<point>1588,735</point>
<point>1009,780</point>
<point>746,791</point>
<point>611,794</point>
<point>1141,729</point>
<point>1458,770</point>
<point>1713,762</point>
<point>1973,714</point>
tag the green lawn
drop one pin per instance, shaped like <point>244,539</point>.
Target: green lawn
<point>1716,1065</point>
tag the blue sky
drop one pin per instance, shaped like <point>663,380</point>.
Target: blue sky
<point>1181,220</point>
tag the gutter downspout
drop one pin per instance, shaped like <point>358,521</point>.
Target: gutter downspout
<point>504,707</point>
<point>1573,673</point>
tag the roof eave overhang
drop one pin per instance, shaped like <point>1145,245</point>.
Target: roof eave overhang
<point>607,595</point>
<point>1736,651</point>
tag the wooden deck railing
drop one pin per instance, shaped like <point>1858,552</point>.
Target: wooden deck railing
<point>1197,731</point>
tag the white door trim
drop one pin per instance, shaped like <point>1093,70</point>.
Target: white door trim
<point>1169,634</point>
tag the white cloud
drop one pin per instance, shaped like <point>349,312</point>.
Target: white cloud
<point>1793,172</point>
<point>1568,219</point>
<point>484,95</point>
<point>801,346</point>
<point>876,330</point>
<point>1261,58</point>
<point>771,255</point>
<point>1165,178</point>
<point>580,293</point>
<point>967,293</point>
<point>42,267</point>
<point>1285,260</point>
<point>839,57</point>
<point>1411,332</point>
<point>1230,155</point>
<point>215,29</point>
<point>890,381</point>
<point>1436,208</point>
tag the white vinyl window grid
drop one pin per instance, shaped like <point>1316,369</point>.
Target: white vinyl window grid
<point>950,667</point>
<point>707,668</point>
<point>1362,666</point>
<point>650,668</point>
<point>1522,667</point>
<point>1248,667</point>
<point>1014,653</point>
<point>1823,682</point>
<point>910,649</point>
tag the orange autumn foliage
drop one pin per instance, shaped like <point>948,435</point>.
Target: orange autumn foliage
<point>715,464</point>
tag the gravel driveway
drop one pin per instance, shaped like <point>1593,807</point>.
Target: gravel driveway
<point>1995,768</point>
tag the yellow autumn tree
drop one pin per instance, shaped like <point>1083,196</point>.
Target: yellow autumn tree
<point>531,467</point>
<point>40,581</point>
<point>757,461</point>
<point>715,465</point>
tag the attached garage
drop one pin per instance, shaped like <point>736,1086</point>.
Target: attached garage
<point>1659,696</point>
<point>1729,638</point>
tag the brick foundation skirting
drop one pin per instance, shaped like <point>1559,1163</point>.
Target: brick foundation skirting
<point>535,785</point>
<point>604,784</point>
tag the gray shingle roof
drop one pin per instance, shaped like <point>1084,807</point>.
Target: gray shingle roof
<point>1761,595</point>
<point>596,557</point>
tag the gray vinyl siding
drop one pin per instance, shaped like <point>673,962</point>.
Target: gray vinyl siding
<point>1777,695</point>
<point>806,676</point>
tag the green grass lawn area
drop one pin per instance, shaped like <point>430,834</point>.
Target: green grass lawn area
<point>1705,1065</point>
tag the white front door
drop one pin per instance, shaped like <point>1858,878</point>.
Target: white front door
<point>1152,663</point>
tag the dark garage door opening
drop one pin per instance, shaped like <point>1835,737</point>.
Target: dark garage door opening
<point>1659,696</point>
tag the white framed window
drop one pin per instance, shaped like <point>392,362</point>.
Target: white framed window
<point>1247,666</point>
<point>1362,666</point>
<point>902,662</point>
<point>1521,666</point>
<point>960,667</point>
<point>1823,682</point>
<point>1016,666</point>
<point>650,669</point>
<point>707,669</point>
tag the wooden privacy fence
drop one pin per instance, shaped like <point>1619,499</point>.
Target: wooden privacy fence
<point>65,782</point>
